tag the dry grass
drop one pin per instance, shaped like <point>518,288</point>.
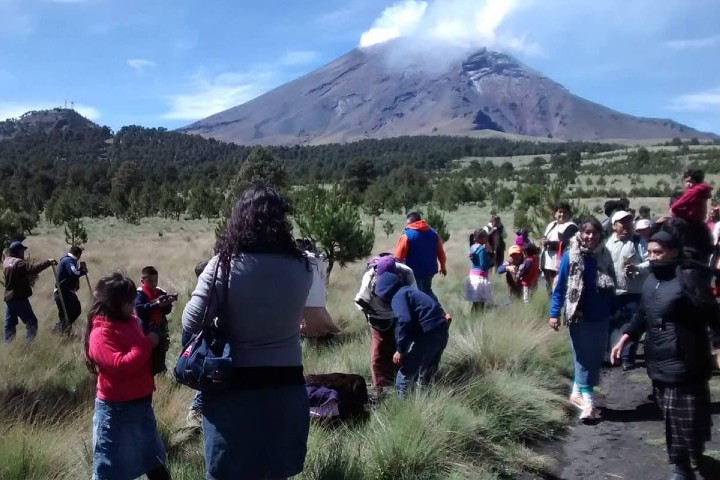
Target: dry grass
<point>467,427</point>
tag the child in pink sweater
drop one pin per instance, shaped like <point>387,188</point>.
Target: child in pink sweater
<point>126,442</point>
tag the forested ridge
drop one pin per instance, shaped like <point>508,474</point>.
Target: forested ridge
<point>60,164</point>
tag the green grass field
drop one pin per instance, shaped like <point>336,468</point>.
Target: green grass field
<point>500,389</point>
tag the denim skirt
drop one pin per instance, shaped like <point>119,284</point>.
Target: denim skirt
<point>255,433</point>
<point>126,442</point>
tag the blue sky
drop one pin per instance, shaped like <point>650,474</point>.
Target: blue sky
<point>168,63</point>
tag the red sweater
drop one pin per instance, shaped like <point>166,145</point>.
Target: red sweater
<point>692,205</point>
<point>122,353</point>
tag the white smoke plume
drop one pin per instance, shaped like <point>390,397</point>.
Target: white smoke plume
<point>457,23</point>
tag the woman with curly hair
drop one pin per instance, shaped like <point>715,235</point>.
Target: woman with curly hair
<point>585,291</point>
<point>258,428</point>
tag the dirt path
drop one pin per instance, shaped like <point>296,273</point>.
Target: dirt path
<point>629,442</point>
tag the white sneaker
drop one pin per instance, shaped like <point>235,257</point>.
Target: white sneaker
<point>589,412</point>
<point>577,400</point>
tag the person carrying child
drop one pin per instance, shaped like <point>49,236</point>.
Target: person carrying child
<point>510,269</point>
<point>126,442</point>
<point>421,333</point>
<point>478,289</point>
<point>692,206</point>
<point>522,271</point>
<point>152,306</point>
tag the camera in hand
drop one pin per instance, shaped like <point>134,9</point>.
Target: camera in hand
<point>169,297</point>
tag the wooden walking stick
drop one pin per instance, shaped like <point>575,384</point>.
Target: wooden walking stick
<point>59,291</point>
<point>87,279</point>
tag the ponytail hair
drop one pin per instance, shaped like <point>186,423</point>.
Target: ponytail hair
<point>111,293</point>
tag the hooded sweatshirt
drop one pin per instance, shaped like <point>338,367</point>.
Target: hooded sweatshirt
<point>420,248</point>
<point>417,313</point>
<point>692,205</point>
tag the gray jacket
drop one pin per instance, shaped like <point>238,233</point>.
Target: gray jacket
<point>265,296</point>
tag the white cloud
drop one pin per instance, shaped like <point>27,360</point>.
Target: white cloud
<point>395,21</point>
<point>469,23</point>
<point>16,109</point>
<point>210,95</point>
<point>140,64</point>
<point>706,101</point>
<point>300,57</point>
<point>206,94</point>
<point>693,43</point>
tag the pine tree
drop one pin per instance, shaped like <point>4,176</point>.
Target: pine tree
<point>333,224</point>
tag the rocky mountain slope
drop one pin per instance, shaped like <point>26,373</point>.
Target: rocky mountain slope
<point>360,96</point>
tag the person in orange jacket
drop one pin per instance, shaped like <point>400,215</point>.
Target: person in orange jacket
<point>421,249</point>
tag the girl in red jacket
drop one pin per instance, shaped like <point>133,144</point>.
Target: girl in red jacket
<point>126,442</point>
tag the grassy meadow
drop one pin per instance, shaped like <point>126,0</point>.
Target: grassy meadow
<point>500,390</point>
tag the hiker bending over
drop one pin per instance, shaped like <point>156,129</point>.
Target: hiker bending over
<point>69,272</point>
<point>126,441</point>
<point>18,273</point>
<point>421,334</point>
<point>258,428</point>
<point>153,305</point>
<point>421,249</point>
<point>381,318</point>
<point>675,315</point>
<point>585,293</point>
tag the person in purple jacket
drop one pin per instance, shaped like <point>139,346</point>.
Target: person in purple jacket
<point>421,333</point>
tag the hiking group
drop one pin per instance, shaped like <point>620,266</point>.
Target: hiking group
<point>614,286</point>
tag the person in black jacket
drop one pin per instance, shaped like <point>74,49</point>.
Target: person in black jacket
<point>69,272</point>
<point>676,313</point>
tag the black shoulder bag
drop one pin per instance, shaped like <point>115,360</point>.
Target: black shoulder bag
<point>205,363</point>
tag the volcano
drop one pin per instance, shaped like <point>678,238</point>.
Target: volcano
<point>361,95</point>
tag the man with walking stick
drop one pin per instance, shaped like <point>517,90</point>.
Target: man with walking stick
<point>18,273</point>
<point>67,279</point>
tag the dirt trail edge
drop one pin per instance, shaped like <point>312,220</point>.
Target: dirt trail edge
<point>629,442</point>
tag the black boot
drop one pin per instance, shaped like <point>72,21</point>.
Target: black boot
<point>683,471</point>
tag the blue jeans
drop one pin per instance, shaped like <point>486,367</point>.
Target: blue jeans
<point>20,308</point>
<point>588,339</point>
<point>421,363</point>
<point>126,441</point>
<point>424,284</point>
<point>196,403</point>
<point>627,306</point>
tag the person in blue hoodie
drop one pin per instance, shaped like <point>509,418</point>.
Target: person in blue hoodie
<point>421,333</point>
<point>69,271</point>
<point>585,290</point>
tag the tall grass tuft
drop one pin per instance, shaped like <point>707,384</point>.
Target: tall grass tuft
<point>500,387</point>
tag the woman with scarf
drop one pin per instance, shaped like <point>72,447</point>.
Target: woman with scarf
<point>585,289</point>
<point>675,314</point>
